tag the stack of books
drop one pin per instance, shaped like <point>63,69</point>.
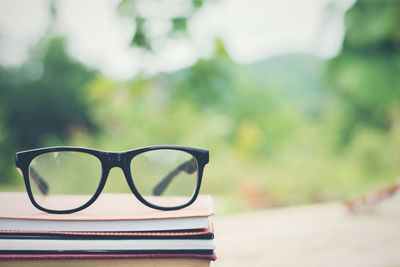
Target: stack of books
<point>115,229</point>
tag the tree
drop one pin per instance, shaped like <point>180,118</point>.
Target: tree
<point>45,98</point>
<point>365,74</point>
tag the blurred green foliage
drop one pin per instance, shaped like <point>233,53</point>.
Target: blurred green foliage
<point>365,74</point>
<point>290,129</point>
<point>43,101</point>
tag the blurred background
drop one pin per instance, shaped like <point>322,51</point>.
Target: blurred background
<point>298,102</point>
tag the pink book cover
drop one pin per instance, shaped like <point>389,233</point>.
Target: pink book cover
<point>206,232</point>
<point>106,207</point>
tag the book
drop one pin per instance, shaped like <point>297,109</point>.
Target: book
<point>107,213</point>
<point>12,243</point>
<point>206,233</point>
<point>105,230</point>
<point>95,262</point>
<point>198,240</point>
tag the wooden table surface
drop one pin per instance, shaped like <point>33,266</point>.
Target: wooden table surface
<point>315,235</point>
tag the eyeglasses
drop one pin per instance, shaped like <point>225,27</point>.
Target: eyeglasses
<point>51,174</point>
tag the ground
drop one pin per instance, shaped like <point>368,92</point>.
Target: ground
<point>315,235</point>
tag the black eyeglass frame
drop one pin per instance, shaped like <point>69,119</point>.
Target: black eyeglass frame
<point>108,161</point>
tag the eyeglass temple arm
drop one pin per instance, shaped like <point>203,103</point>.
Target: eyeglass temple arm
<point>39,181</point>
<point>189,167</point>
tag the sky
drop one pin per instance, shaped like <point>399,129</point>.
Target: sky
<point>252,30</point>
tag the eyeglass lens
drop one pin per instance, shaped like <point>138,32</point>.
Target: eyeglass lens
<point>165,173</point>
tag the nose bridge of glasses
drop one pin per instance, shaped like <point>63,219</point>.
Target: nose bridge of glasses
<point>116,159</point>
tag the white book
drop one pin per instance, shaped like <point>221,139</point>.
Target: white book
<point>27,225</point>
<point>17,244</point>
